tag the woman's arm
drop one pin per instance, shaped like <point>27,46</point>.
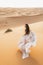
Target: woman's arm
<point>33,39</point>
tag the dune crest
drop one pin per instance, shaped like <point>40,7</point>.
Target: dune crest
<point>8,12</point>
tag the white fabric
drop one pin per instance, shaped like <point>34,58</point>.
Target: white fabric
<point>30,42</point>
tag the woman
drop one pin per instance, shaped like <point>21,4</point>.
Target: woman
<point>27,41</point>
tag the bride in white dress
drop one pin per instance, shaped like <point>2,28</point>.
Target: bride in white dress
<point>27,41</point>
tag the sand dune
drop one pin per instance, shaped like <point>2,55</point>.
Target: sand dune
<point>9,12</point>
<point>10,22</point>
<point>9,54</point>
<point>12,17</point>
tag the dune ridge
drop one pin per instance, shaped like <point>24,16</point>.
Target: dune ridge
<point>9,12</point>
<point>12,22</point>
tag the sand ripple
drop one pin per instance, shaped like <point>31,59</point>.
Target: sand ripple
<point>20,11</point>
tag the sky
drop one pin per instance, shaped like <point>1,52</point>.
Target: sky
<point>21,3</point>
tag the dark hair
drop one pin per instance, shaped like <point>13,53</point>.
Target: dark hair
<point>27,30</point>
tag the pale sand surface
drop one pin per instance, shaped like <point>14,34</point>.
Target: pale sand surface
<point>10,22</point>
<point>14,17</point>
<point>9,54</point>
<point>9,12</point>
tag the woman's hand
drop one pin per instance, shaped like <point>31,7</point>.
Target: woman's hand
<point>26,41</point>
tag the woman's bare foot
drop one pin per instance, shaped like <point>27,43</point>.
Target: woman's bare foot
<point>25,55</point>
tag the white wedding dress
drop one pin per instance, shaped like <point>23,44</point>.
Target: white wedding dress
<point>31,42</point>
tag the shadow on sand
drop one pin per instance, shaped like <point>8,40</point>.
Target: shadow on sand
<point>27,61</point>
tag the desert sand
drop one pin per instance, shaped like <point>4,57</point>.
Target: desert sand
<point>9,51</point>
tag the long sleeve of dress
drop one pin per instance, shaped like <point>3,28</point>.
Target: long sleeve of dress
<point>33,40</point>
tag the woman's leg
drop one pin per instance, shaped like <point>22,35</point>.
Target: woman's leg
<point>27,48</point>
<point>21,47</point>
<point>23,50</point>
